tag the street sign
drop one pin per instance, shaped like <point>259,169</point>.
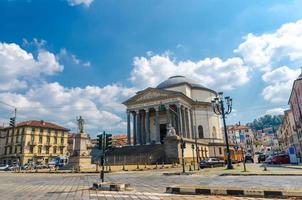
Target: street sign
<point>236,147</point>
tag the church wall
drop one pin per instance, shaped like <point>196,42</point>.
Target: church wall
<point>202,95</point>
<point>186,90</point>
<point>208,120</point>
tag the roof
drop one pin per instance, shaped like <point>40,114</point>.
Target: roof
<point>179,80</point>
<point>41,124</point>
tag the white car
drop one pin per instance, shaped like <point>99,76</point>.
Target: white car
<point>4,167</point>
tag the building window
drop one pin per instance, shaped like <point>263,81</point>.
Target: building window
<point>33,130</point>
<point>54,150</point>
<point>214,133</point>
<point>47,150</point>
<point>32,138</point>
<point>61,150</point>
<point>220,150</point>
<point>62,134</point>
<point>200,132</point>
<point>48,140</point>
<point>41,130</point>
<point>40,139</point>
<point>55,140</point>
<point>62,140</point>
<point>40,149</point>
<point>31,149</point>
<point>16,149</point>
<point>48,131</point>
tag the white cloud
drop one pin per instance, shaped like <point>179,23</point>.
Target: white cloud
<point>266,50</point>
<point>275,111</point>
<point>280,82</point>
<point>79,2</point>
<point>100,106</point>
<point>18,66</point>
<point>212,72</point>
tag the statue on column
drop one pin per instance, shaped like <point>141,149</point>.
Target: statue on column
<point>81,124</point>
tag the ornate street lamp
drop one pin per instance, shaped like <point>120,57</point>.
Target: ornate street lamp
<point>218,105</point>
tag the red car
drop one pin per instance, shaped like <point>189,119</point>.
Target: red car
<point>280,159</point>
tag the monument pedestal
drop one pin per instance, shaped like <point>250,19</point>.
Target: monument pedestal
<point>81,163</point>
<point>80,160</point>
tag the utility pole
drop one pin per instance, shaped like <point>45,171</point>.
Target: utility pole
<point>219,109</point>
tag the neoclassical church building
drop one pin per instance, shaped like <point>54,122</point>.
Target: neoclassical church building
<point>178,108</point>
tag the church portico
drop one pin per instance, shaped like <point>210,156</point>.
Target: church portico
<point>178,108</point>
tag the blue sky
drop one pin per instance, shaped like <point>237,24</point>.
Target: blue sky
<point>97,51</point>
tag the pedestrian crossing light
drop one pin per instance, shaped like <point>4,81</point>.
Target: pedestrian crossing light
<point>108,141</point>
<point>12,121</point>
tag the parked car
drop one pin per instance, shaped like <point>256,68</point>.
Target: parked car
<point>249,158</point>
<point>281,159</point>
<point>4,167</point>
<point>261,157</point>
<point>211,162</point>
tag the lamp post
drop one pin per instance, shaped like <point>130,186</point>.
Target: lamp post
<point>218,105</point>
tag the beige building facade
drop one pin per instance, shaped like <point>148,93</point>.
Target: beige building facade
<point>178,108</point>
<point>287,134</point>
<point>33,142</point>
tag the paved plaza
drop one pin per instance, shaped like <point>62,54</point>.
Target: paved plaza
<point>147,185</point>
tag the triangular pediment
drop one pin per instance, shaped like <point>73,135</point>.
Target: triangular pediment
<point>149,94</point>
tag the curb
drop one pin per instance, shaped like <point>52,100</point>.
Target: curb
<point>200,190</point>
<point>227,174</point>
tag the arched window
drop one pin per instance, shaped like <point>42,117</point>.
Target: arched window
<point>214,134</point>
<point>200,132</point>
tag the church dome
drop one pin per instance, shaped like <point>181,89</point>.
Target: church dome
<point>179,80</point>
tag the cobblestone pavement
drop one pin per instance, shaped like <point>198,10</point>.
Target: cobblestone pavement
<point>147,185</point>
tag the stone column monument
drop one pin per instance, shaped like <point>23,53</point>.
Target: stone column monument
<point>80,158</point>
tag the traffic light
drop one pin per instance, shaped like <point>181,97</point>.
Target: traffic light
<point>108,140</point>
<point>100,141</point>
<point>12,121</point>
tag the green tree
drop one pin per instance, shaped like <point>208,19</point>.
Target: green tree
<point>266,121</point>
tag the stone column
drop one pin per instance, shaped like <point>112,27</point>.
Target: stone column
<point>138,128</point>
<point>193,131</point>
<point>168,115</point>
<point>184,134</point>
<point>142,128</point>
<point>179,121</point>
<point>134,128</point>
<point>147,127</point>
<point>187,122</point>
<point>157,128</point>
<point>128,128</point>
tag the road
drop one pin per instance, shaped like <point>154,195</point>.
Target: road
<point>148,185</point>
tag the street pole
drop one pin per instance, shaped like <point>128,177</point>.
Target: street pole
<point>230,166</point>
<point>218,108</point>
<point>103,156</point>
<point>195,134</point>
<point>243,157</point>
<point>182,145</point>
<point>193,156</point>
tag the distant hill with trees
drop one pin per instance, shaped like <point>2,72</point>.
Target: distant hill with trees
<point>266,121</point>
